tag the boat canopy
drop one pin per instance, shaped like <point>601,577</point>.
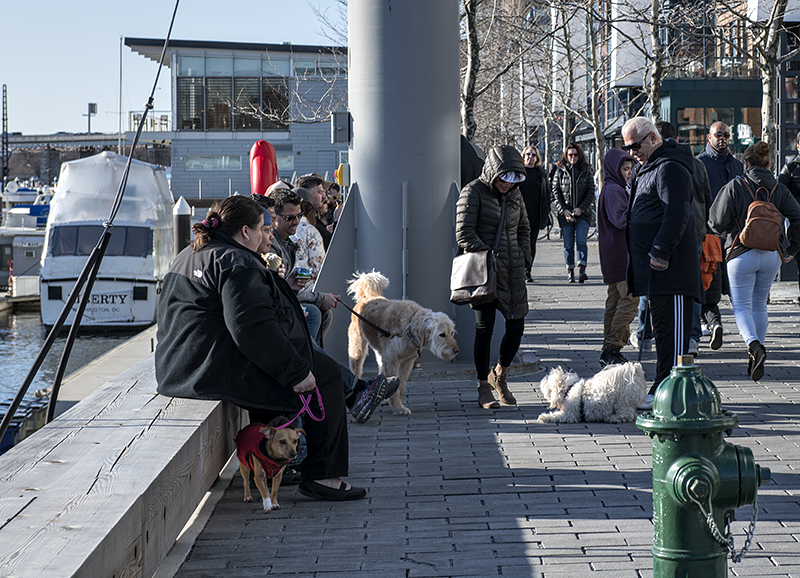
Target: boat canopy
<point>85,196</point>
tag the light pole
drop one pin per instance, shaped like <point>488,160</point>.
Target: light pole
<point>92,112</point>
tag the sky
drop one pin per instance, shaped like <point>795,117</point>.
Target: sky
<point>57,56</point>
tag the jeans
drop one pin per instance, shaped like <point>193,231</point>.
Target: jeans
<point>645,329</point>
<point>318,322</point>
<point>751,275</point>
<point>575,234</point>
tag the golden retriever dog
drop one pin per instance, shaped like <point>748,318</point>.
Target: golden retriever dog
<point>610,396</point>
<point>412,329</point>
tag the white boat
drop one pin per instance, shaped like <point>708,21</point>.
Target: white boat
<point>22,235</point>
<point>139,252</point>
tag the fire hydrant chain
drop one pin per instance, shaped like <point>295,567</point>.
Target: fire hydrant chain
<point>727,540</point>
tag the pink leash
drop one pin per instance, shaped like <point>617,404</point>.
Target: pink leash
<point>307,408</point>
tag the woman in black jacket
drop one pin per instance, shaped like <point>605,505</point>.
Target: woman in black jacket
<point>573,201</point>
<point>478,213</point>
<point>231,330</point>
<point>536,194</point>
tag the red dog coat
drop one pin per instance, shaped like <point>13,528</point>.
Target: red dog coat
<point>248,441</point>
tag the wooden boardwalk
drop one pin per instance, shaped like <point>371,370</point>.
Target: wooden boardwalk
<point>457,491</point>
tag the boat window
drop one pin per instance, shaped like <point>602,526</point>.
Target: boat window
<point>124,242</point>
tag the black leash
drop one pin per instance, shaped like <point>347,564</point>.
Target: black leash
<point>380,330</point>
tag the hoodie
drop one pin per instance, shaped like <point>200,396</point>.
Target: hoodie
<point>477,217</point>
<point>612,213</point>
<point>661,224</point>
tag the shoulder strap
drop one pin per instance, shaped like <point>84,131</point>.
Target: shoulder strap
<point>500,224</point>
<point>743,179</point>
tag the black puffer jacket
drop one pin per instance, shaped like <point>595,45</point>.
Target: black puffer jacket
<point>661,224</point>
<point>477,217</point>
<point>729,211</point>
<point>230,330</point>
<point>573,188</point>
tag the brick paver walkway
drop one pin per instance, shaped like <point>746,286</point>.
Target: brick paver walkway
<point>459,491</point>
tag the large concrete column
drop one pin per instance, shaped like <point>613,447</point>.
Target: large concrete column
<point>404,99</point>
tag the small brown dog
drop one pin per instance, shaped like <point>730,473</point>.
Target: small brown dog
<point>266,450</point>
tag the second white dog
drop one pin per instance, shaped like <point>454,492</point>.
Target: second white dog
<point>610,396</point>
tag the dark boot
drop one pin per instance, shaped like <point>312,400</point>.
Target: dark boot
<point>485,396</point>
<point>582,277</point>
<point>571,276</point>
<point>758,355</point>
<point>500,385</point>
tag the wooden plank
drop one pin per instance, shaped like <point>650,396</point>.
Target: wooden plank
<point>106,488</point>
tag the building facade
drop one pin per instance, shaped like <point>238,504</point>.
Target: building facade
<point>228,95</point>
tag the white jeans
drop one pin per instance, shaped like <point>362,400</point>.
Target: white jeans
<point>751,275</point>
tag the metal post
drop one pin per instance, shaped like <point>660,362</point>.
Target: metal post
<point>182,219</point>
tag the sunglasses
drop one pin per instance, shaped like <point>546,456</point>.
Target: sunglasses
<point>725,135</point>
<point>291,218</point>
<point>634,146</point>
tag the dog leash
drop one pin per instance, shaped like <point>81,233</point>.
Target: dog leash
<point>306,400</point>
<point>387,334</point>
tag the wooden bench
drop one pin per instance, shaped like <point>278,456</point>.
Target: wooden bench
<point>105,489</point>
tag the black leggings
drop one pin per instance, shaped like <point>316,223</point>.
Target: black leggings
<point>327,439</point>
<point>484,325</point>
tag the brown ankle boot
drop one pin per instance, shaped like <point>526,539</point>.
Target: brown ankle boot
<point>485,396</point>
<point>500,385</point>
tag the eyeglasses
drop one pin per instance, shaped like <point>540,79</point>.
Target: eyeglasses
<point>573,155</point>
<point>634,146</point>
<point>291,218</point>
<point>725,135</point>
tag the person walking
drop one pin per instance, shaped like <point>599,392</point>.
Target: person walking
<point>752,271</point>
<point>495,195</point>
<point>662,245</point>
<point>536,195</point>
<point>612,214</point>
<point>573,199</point>
<point>721,167</point>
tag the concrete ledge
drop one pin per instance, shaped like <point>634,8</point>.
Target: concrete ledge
<point>105,489</point>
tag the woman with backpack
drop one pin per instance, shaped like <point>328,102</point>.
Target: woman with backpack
<point>751,270</point>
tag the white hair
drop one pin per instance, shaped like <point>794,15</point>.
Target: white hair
<point>639,126</point>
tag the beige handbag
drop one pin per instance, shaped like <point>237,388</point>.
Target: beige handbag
<point>473,277</point>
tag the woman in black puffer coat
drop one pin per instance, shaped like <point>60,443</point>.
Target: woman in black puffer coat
<point>477,218</point>
<point>573,201</point>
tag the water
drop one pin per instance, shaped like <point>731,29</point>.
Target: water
<point>21,338</point>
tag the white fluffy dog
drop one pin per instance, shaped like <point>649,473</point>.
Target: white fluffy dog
<point>412,328</point>
<point>611,396</point>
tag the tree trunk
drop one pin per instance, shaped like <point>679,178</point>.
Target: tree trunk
<point>657,62</point>
<point>468,124</point>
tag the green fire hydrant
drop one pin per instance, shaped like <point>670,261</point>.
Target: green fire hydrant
<point>699,479</point>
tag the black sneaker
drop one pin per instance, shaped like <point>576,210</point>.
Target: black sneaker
<point>716,336</point>
<point>606,357</point>
<point>392,385</point>
<point>369,399</point>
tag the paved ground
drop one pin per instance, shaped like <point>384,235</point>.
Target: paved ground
<point>459,491</point>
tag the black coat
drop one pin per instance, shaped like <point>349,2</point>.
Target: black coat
<point>790,177</point>
<point>573,189</point>
<point>477,217</point>
<point>661,224</point>
<point>229,329</point>
<point>536,195</point>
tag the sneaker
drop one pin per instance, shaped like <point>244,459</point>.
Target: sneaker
<point>369,398</point>
<point>705,330</point>
<point>611,357</point>
<point>694,347</point>
<point>647,403</point>
<point>716,337</point>
<point>392,385</point>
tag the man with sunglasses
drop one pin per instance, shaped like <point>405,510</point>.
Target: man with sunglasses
<point>722,167</point>
<point>287,209</point>
<point>662,244</point>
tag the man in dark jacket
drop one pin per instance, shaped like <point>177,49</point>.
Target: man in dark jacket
<point>661,240</point>
<point>722,167</point>
<point>790,175</point>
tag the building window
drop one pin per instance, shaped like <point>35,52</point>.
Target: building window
<point>191,66</point>
<point>218,103</point>
<point>190,101</point>
<point>213,162</point>
<point>305,68</point>
<point>270,67</point>
<point>247,97</point>
<point>275,103</point>
<point>285,162</point>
